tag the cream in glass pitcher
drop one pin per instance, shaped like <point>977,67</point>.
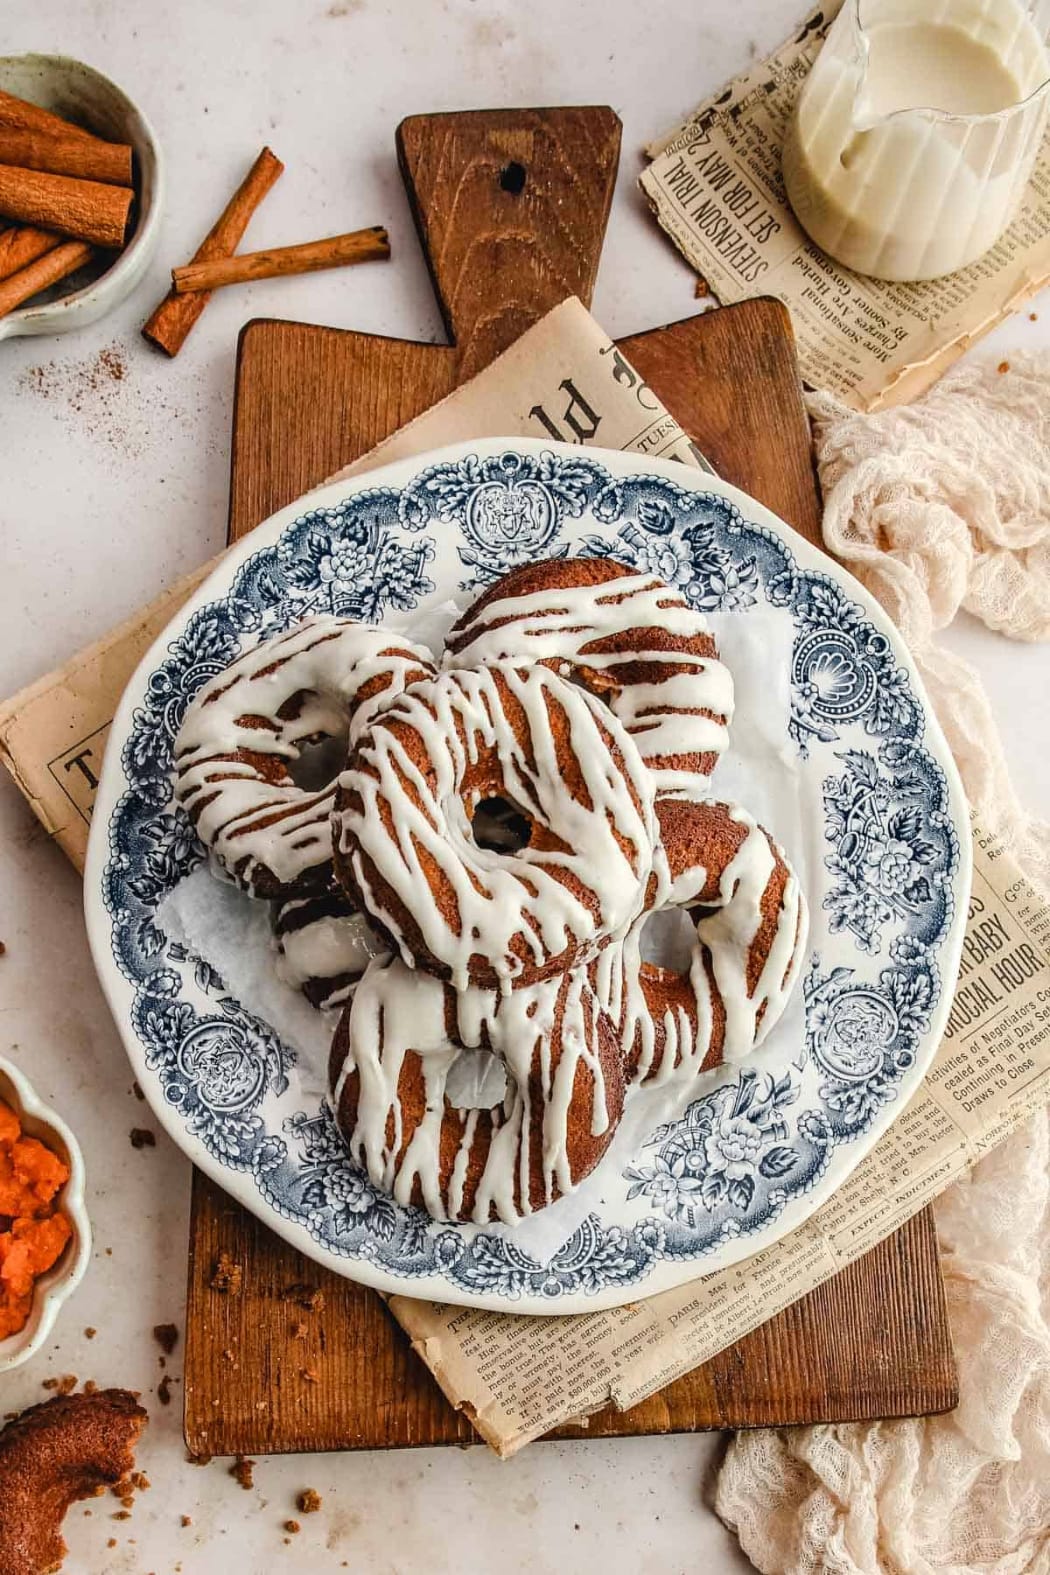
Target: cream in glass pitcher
<point>916,130</point>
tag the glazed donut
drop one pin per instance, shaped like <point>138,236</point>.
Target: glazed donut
<point>393,1050</point>
<point>630,639</point>
<point>750,934</point>
<point>233,749</point>
<point>324,944</point>
<point>481,915</point>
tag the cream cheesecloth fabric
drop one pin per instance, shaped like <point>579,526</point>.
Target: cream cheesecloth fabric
<point>941,505</point>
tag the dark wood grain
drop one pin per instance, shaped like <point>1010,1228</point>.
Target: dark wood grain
<point>872,1342</point>
<point>511,208</point>
<point>731,378</point>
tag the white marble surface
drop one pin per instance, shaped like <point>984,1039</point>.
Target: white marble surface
<point>109,489</point>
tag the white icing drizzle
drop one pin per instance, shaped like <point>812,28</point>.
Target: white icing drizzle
<point>561,903</point>
<point>258,825</point>
<point>730,931</point>
<point>542,1032</point>
<point>560,623</point>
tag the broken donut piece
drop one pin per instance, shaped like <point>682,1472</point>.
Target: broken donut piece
<point>52,1455</point>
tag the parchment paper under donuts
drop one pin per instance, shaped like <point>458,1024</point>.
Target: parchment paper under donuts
<point>475,871</point>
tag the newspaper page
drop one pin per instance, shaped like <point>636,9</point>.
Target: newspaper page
<point>716,188</point>
<point>563,379</point>
<point>518,1377</point>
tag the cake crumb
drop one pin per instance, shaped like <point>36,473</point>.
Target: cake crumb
<point>90,1386</point>
<point>309,1296</point>
<point>121,1514</point>
<point>137,1091</point>
<point>62,1386</point>
<point>227,1276</point>
<point>166,1336</point>
<point>310,1375</point>
<point>300,1330</point>
<point>241,1471</point>
<point>308,1502</point>
<point>164,1390</point>
<point>140,1482</point>
<point>186,1520</point>
<point>142,1137</point>
<point>293,1526</point>
<point>1004,366</point>
<point>112,1542</point>
<point>198,1460</point>
<point>89,1334</point>
<point>702,289</point>
<point>1033,317</point>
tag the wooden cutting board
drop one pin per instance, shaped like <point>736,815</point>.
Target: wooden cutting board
<point>511,208</point>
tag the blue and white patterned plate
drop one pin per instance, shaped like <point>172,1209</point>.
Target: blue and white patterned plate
<point>859,769</point>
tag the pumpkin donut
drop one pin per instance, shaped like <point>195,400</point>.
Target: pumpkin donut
<point>68,1448</point>
<point>750,932</point>
<point>406,848</point>
<point>626,636</point>
<point>391,1057</point>
<point>244,729</point>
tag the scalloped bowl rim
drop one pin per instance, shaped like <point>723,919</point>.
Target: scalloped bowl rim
<point>58,1284</point>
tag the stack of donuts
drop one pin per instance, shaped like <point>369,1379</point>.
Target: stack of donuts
<point>479,873</point>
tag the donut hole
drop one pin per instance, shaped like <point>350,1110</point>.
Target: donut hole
<point>668,938</point>
<point>499,826</point>
<point>318,763</point>
<point>477,1080</point>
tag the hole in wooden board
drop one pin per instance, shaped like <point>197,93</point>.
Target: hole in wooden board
<point>512,178</point>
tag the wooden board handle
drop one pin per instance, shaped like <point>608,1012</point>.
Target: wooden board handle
<point>511,207</point>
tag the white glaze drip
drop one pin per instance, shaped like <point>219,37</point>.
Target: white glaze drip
<point>730,931</point>
<point>276,830</point>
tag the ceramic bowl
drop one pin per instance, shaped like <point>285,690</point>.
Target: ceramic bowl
<point>55,1287</point>
<point>82,94</point>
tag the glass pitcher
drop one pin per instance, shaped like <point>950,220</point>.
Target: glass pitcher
<point>893,187</point>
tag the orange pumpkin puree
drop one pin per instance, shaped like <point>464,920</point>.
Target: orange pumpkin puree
<point>32,1233</point>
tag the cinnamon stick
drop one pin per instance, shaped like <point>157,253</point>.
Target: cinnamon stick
<point>338,251</point>
<point>58,264</point>
<point>171,323</point>
<point>22,244</point>
<point>18,114</point>
<point>86,209</point>
<point>87,158</point>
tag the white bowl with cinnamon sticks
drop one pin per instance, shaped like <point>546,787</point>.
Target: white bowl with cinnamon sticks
<point>81,192</point>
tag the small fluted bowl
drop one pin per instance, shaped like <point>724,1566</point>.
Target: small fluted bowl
<point>78,92</point>
<point>59,1283</point>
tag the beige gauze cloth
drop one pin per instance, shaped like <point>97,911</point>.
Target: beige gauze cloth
<point>936,506</point>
